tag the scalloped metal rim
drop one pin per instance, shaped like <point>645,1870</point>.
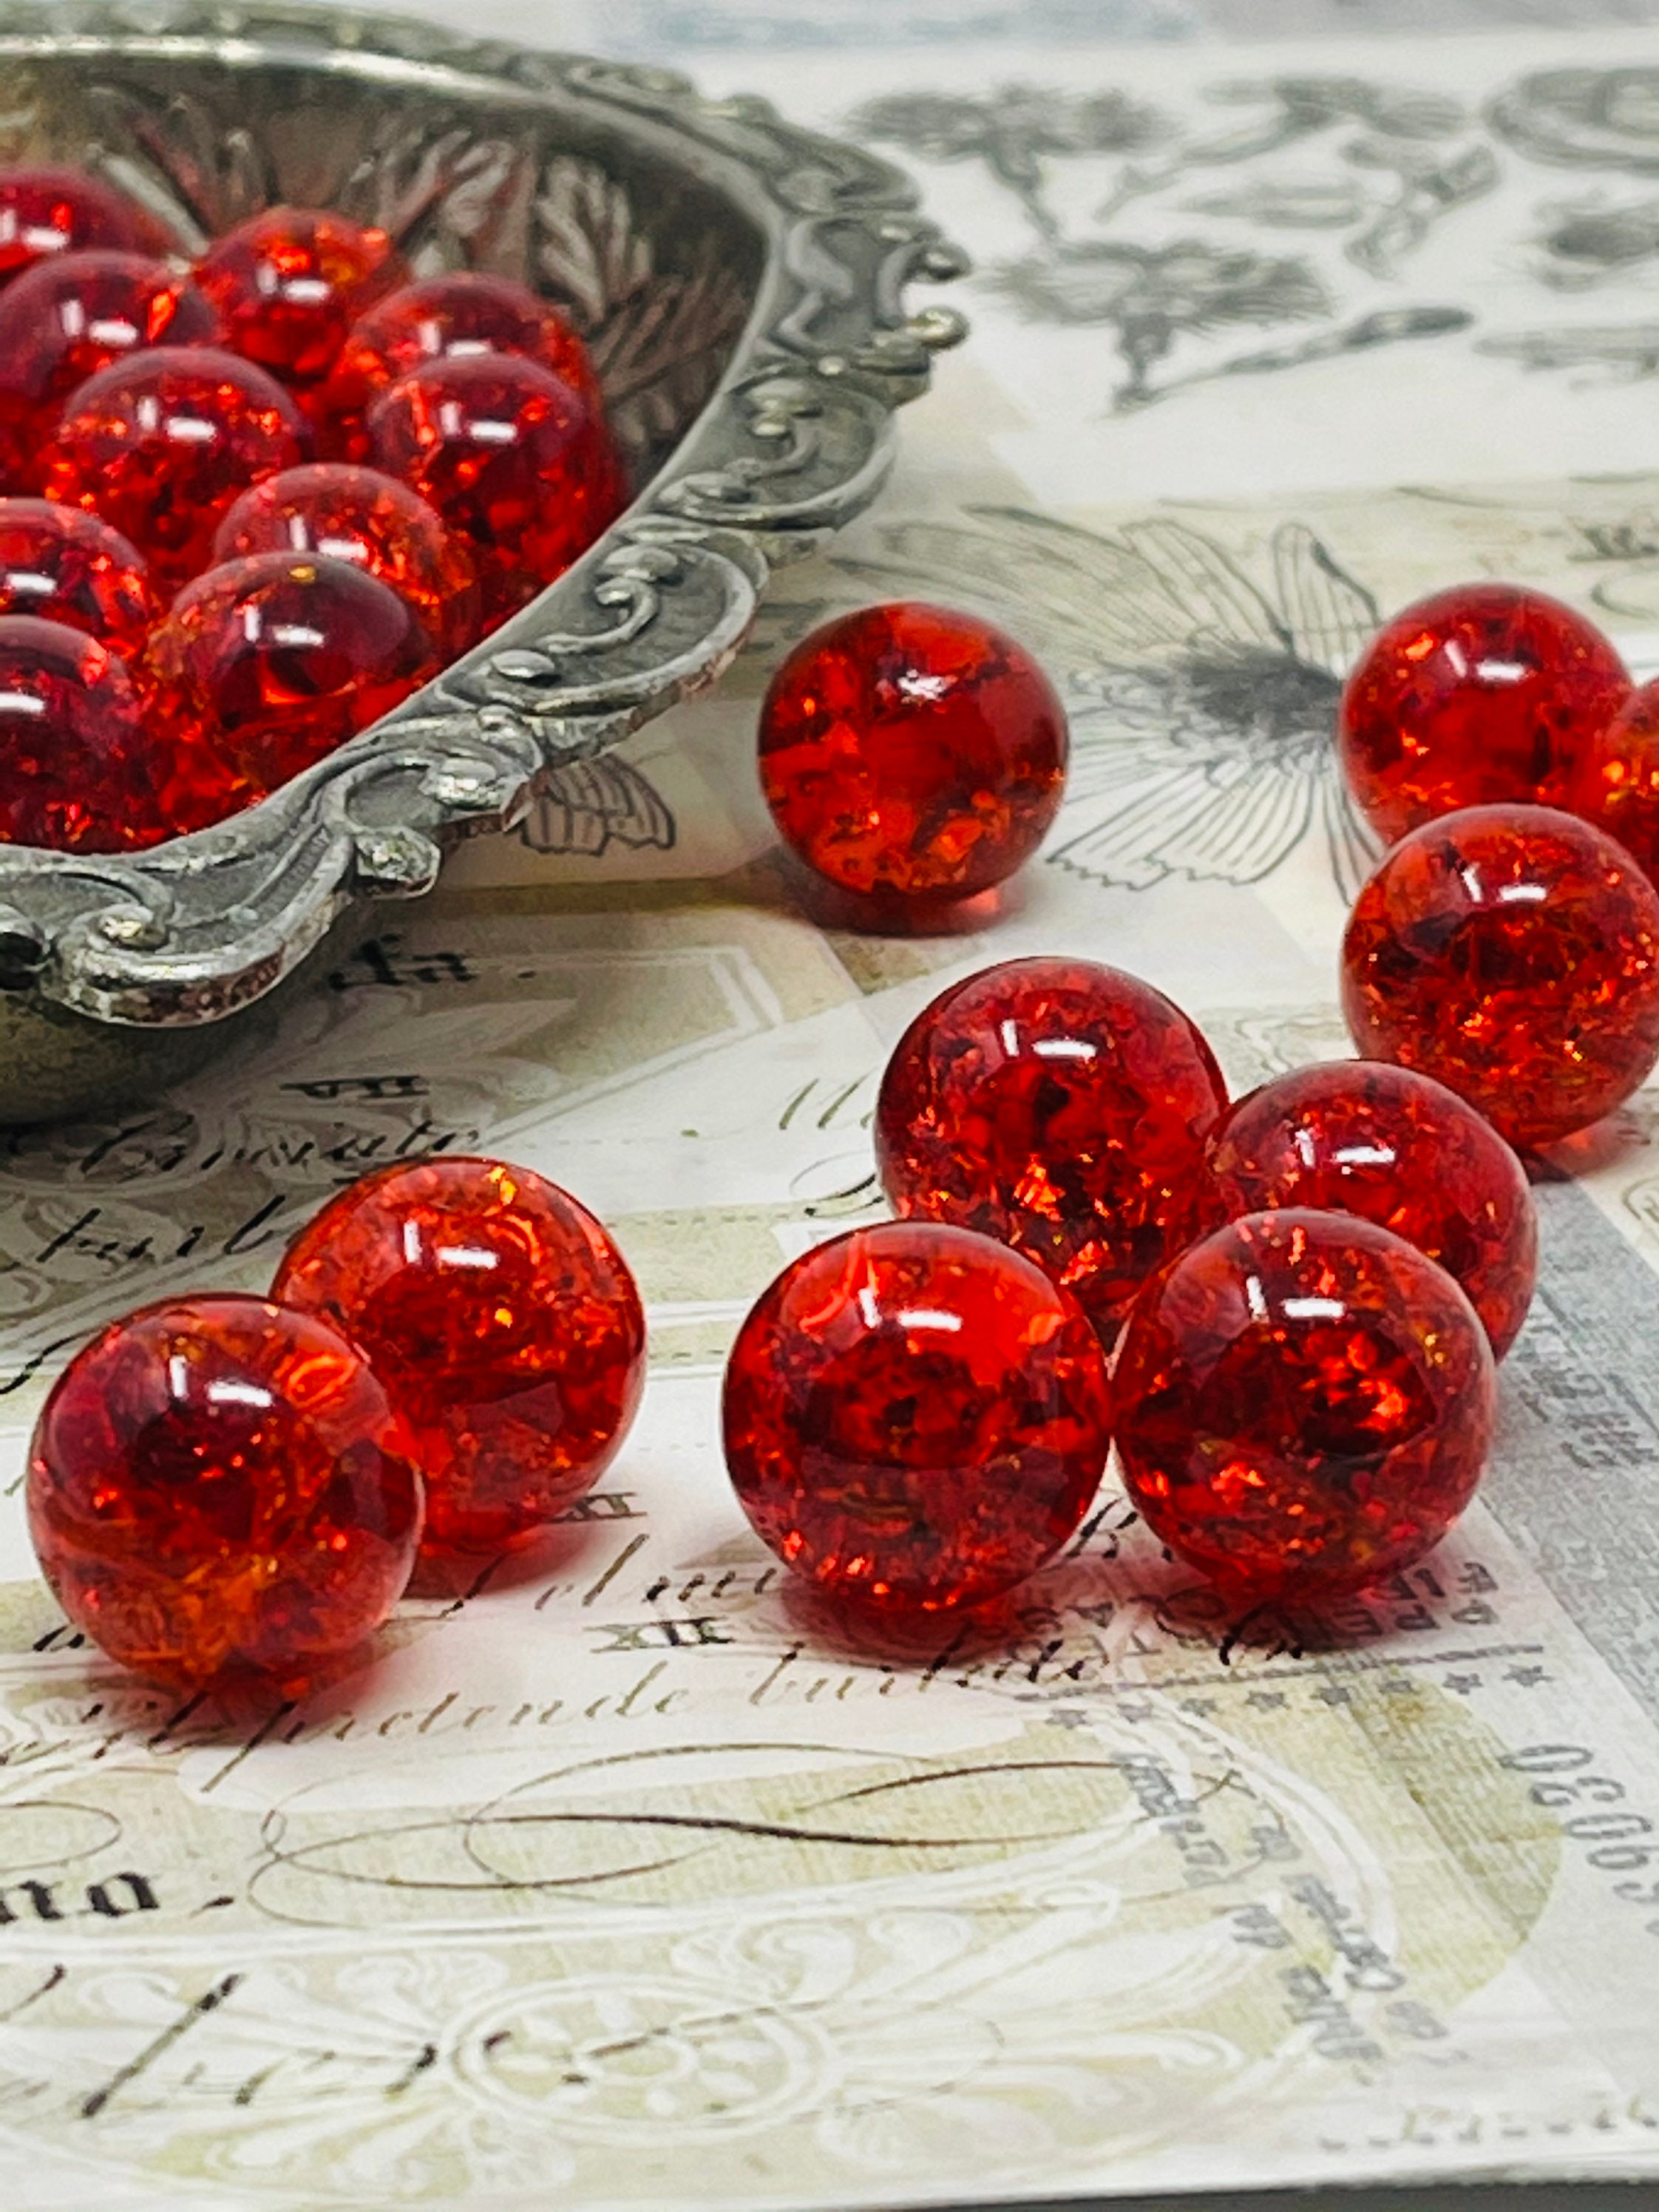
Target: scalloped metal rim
<point>795,440</point>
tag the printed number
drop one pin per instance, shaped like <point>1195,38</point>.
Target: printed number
<point>1596,1787</point>
<point>1547,1759</point>
<point>1606,1827</point>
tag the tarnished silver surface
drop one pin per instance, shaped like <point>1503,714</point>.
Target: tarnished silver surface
<point>742,284</point>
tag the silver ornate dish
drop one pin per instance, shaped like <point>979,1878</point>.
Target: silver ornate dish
<point>742,284</point>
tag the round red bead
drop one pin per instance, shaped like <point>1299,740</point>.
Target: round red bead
<point>218,1489</point>
<point>48,211</point>
<point>914,1417</point>
<point>1616,785</point>
<point>502,1321</point>
<point>290,282</point>
<point>1305,1405</point>
<point>74,758</point>
<point>442,317</point>
<point>1357,1136</point>
<point>370,520</point>
<point>161,442</point>
<point>1484,692</point>
<point>68,566</point>
<point>72,316</point>
<point>278,658</point>
<point>1059,1107</point>
<point>1512,953</point>
<point>511,460</point>
<point>912,754</point>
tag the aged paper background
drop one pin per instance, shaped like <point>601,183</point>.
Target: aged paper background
<point>623,1878</point>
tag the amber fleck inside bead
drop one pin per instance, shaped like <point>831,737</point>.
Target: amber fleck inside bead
<point>1305,1404</point>
<point>915,1417</point>
<point>1059,1107</point>
<point>289,283</point>
<point>46,211</point>
<point>1484,692</point>
<point>504,1324</point>
<point>463,312</point>
<point>1512,953</point>
<point>912,755</point>
<point>1617,782</point>
<point>374,522</point>
<point>160,443</point>
<point>72,316</point>
<point>75,765</point>
<point>513,459</point>
<point>278,659</point>
<point>219,1491</point>
<point>1358,1136</point>
<point>67,566</point>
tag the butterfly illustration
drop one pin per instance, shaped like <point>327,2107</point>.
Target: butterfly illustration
<point>1201,702</point>
<point>587,805</point>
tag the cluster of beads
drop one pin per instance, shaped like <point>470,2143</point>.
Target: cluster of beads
<point>1285,1311</point>
<point>248,506</point>
<point>1508,943</point>
<point>224,1487</point>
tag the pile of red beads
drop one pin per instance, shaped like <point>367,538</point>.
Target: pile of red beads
<point>276,489</point>
<point>226,1488</point>
<point>1303,1295</point>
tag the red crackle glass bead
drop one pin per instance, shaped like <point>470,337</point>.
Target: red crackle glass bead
<point>68,566</point>
<point>439,318</point>
<point>1512,953</point>
<point>1358,1136</point>
<point>1484,692</point>
<point>371,521</point>
<point>1616,785</point>
<point>914,1417</point>
<point>46,211</point>
<point>290,282</point>
<point>278,659</point>
<point>512,460</point>
<point>74,757</point>
<point>911,754</point>
<point>161,442</point>
<point>1059,1107</point>
<point>504,1324</point>
<point>218,1489</point>
<point>72,316</point>
<point>1305,1404</point>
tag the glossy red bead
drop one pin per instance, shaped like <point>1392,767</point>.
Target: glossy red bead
<point>1512,953</point>
<point>375,523</point>
<point>504,1324</point>
<point>441,317</point>
<point>218,1490</point>
<point>1484,692</point>
<point>1616,784</point>
<point>161,442</point>
<point>47,211</point>
<point>1059,1107</point>
<point>290,282</point>
<point>1358,1136</point>
<point>1305,1404</point>
<point>912,755</point>
<point>74,756</point>
<point>512,460</point>
<point>73,315</point>
<point>68,566</point>
<point>915,1417</point>
<point>278,659</point>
